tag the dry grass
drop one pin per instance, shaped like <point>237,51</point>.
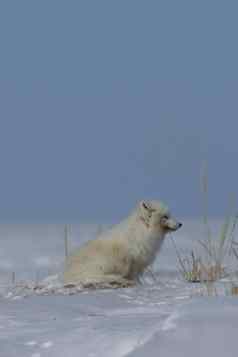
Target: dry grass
<point>13,278</point>
<point>209,265</point>
<point>194,269</point>
<point>234,290</point>
<point>66,240</point>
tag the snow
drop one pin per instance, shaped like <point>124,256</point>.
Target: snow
<point>204,327</point>
<point>100,323</point>
<point>166,317</point>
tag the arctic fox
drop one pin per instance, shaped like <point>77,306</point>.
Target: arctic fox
<point>119,256</point>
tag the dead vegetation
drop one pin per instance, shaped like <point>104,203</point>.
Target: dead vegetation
<point>208,263</point>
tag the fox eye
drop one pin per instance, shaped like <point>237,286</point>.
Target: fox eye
<point>165,217</point>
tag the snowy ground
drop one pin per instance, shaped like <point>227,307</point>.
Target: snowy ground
<point>166,317</point>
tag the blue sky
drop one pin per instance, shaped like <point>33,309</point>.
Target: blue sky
<point>104,103</point>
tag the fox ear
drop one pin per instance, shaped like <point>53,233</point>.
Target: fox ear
<point>145,212</point>
<point>144,205</point>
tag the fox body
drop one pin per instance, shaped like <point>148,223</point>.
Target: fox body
<point>121,255</point>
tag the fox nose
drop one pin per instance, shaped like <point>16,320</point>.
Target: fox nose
<point>180,225</point>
